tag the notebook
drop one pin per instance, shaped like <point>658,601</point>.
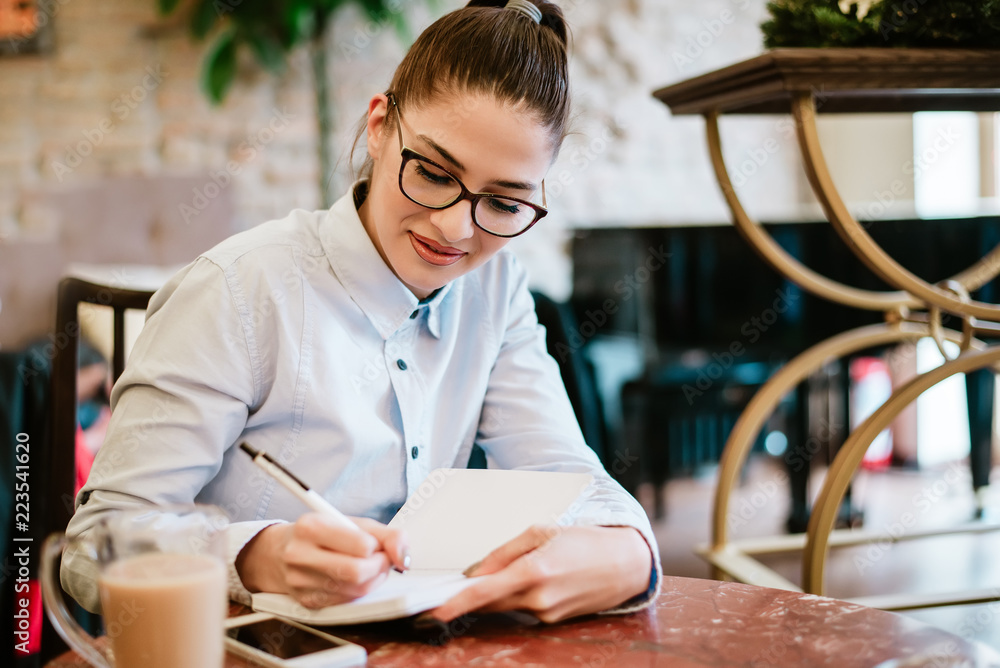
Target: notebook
<point>455,518</point>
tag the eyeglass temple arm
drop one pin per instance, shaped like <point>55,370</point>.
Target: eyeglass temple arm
<point>399,130</point>
<point>399,120</point>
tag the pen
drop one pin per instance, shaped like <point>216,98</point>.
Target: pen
<point>301,491</point>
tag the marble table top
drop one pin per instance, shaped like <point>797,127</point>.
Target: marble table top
<point>694,623</point>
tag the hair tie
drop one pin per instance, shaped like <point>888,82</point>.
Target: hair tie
<point>527,8</point>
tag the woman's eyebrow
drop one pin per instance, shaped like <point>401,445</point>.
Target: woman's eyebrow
<point>514,185</point>
<point>444,154</point>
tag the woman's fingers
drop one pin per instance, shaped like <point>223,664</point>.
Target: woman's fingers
<point>531,539</point>
<point>323,578</point>
<point>327,564</point>
<point>506,589</point>
<point>507,573</point>
<point>570,571</point>
<point>483,596</point>
<point>319,530</point>
<point>393,542</point>
<point>319,562</point>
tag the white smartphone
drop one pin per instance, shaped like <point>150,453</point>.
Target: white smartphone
<point>281,643</point>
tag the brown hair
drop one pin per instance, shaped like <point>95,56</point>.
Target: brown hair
<point>486,48</point>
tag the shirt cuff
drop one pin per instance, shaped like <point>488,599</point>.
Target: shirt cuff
<point>238,535</point>
<point>646,598</point>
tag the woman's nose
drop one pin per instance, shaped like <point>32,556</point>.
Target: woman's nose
<point>455,222</point>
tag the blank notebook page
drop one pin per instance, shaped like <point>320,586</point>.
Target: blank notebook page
<point>458,516</point>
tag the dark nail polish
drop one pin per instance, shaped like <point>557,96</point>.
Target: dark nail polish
<point>468,572</point>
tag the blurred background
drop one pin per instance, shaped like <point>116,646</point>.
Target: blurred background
<point>116,165</point>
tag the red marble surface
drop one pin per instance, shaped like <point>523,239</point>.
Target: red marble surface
<point>695,623</point>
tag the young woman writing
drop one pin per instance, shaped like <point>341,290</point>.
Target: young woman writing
<point>366,345</point>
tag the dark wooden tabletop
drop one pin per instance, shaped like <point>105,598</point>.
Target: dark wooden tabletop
<point>694,623</point>
<point>845,80</point>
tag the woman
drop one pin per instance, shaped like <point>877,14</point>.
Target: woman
<point>366,345</point>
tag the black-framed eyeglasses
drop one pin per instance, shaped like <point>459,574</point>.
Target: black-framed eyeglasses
<point>428,184</point>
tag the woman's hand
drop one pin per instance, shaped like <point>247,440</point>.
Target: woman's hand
<point>558,572</point>
<point>319,563</point>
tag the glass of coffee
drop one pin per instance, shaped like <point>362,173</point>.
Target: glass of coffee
<point>161,575</point>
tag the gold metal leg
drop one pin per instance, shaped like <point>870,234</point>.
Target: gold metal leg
<point>735,559</point>
<point>851,453</point>
<point>767,398</point>
<point>857,237</point>
<point>779,259</point>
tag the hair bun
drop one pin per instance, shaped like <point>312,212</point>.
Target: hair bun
<point>552,15</point>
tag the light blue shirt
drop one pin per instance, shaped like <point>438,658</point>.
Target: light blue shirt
<point>296,337</point>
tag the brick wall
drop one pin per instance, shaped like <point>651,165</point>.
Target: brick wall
<point>112,100</point>
<point>118,95</point>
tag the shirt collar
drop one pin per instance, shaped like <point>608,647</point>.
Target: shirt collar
<point>370,283</point>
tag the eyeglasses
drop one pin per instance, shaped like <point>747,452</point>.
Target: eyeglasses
<point>428,184</point>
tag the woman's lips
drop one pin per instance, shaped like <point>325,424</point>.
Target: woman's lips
<point>440,256</point>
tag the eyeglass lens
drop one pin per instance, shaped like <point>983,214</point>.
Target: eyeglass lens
<point>428,185</point>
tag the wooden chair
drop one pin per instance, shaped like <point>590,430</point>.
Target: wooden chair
<point>58,454</point>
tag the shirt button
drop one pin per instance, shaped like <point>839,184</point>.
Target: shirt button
<point>414,314</point>
<point>401,364</point>
<point>414,451</point>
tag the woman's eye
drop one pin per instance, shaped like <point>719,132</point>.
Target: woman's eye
<point>433,177</point>
<point>504,206</point>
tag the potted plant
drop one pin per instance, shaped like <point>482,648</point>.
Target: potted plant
<point>879,23</point>
<point>271,29</point>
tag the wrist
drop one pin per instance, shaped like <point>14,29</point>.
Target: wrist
<point>637,562</point>
<point>255,563</point>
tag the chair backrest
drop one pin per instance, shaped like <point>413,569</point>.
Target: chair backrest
<point>61,470</point>
<point>562,338</point>
<point>58,452</point>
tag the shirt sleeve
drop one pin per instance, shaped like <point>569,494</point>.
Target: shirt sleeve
<point>528,423</point>
<point>182,400</point>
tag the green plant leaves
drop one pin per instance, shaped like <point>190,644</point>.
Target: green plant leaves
<point>219,69</point>
<point>206,14</point>
<point>167,6</point>
<point>271,29</point>
<point>268,51</point>
<point>888,23</point>
<point>300,19</point>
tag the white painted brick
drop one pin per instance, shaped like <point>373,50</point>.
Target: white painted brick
<point>650,167</point>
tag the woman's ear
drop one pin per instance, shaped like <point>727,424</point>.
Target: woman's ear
<point>378,109</point>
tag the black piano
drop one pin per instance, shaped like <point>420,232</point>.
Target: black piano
<point>714,321</point>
